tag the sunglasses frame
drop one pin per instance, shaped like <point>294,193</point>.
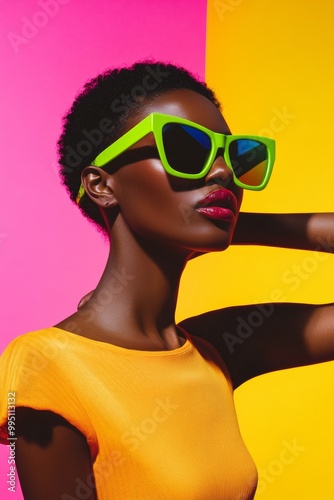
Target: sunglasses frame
<point>155,122</point>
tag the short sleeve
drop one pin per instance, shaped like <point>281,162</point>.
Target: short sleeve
<point>32,375</point>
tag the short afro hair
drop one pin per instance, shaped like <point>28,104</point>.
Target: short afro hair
<point>99,115</point>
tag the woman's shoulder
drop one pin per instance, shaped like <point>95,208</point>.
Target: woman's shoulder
<point>36,339</point>
<point>45,349</point>
<point>208,351</point>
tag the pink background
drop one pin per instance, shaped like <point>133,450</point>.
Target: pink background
<point>46,55</point>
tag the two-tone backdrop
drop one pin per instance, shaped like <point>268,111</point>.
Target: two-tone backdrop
<point>271,65</point>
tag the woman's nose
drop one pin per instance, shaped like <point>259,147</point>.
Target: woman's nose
<point>220,173</point>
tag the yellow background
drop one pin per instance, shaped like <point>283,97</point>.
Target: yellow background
<point>271,64</point>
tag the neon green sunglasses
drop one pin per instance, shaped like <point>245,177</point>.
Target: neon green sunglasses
<point>188,150</point>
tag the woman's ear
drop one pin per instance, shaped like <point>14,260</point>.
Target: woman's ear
<point>98,186</point>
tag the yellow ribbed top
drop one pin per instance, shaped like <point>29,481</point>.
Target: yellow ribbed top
<point>159,424</point>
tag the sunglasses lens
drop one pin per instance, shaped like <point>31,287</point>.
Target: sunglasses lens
<point>249,160</point>
<point>187,148</point>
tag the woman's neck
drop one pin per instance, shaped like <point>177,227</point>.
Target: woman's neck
<point>134,302</point>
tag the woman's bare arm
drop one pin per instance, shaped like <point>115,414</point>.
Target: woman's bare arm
<point>299,231</point>
<point>52,458</point>
<point>260,338</point>
<point>312,231</point>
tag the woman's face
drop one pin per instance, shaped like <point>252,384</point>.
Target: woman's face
<point>159,207</point>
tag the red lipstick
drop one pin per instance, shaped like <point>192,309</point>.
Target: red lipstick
<point>220,205</point>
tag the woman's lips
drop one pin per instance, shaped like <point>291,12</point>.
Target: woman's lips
<point>220,204</point>
<point>217,213</point>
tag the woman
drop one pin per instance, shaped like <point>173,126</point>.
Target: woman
<point>117,401</point>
